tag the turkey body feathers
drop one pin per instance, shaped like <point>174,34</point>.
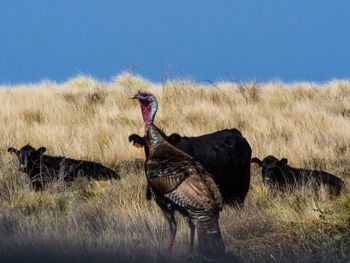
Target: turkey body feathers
<point>181,183</point>
<point>174,179</point>
<point>172,166</point>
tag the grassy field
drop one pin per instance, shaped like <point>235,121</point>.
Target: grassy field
<point>111,221</point>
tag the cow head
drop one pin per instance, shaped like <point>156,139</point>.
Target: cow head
<point>137,140</point>
<point>28,157</point>
<point>272,168</point>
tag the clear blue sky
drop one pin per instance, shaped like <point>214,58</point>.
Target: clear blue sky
<point>238,40</point>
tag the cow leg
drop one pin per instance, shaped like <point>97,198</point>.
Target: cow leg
<point>148,192</point>
<point>170,217</point>
<point>37,186</point>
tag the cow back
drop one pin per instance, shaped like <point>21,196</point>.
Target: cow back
<point>226,155</point>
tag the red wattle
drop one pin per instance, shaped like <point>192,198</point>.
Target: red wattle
<point>146,114</point>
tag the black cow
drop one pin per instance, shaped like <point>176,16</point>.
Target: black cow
<point>277,173</point>
<point>42,168</point>
<point>225,154</point>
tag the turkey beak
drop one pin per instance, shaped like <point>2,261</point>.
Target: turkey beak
<point>136,97</point>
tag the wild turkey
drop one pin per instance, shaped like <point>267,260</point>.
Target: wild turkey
<point>180,183</point>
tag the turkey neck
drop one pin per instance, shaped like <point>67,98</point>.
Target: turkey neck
<point>154,139</point>
<point>149,110</point>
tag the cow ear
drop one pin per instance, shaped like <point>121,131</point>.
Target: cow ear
<point>257,161</point>
<point>174,138</point>
<point>41,150</point>
<point>137,140</point>
<point>13,151</point>
<point>283,161</point>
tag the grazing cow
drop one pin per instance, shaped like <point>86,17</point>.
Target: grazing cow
<point>225,154</point>
<point>277,173</point>
<point>41,168</point>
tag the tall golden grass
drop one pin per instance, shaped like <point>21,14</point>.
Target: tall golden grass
<point>82,118</point>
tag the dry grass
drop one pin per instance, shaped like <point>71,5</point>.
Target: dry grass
<point>103,221</point>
